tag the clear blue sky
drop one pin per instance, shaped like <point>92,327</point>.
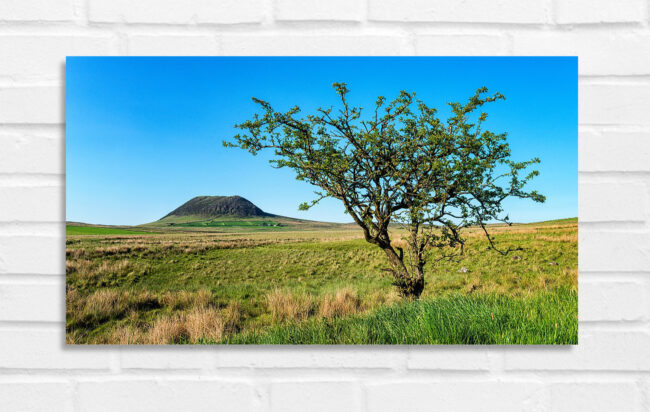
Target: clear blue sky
<point>144,134</point>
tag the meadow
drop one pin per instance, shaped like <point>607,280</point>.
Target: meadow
<point>99,230</point>
<point>284,285</point>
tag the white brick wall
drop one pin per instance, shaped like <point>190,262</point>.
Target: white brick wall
<point>610,368</point>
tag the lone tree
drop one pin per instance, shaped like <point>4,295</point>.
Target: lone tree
<point>401,164</point>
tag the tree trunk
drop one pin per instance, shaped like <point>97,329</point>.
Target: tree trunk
<point>410,286</point>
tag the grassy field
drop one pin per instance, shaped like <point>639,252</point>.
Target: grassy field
<point>315,286</point>
<point>98,230</point>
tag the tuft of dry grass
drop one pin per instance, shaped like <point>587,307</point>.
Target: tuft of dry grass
<point>168,329</point>
<point>75,253</point>
<point>177,300</point>
<point>126,335</point>
<point>205,324</point>
<point>109,303</point>
<point>191,327</point>
<point>105,304</point>
<point>82,267</point>
<point>284,305</point>
<point>344,302</point>
<point>184,299</point>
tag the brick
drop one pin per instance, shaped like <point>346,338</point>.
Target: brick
<point>26,204</point>
<point>599,11</point>
<point>448,358</point>
<point>320,396</point>
<point>32,302</point>
<point>591,396</point>
<point>33,104</point>
<point>29,152</point>
<point>614,104</point>
<point>614,151</point>
<point>200,394</point>
<point>472,11</point>
<point>37,10</point>
<point>172,12</point>
<point>623,201</point>
<point>43,57</point>
<point>167,45</point>
<point>597,351</point>
<point>455,396</point>
<point>250,44</point>
<point>36,396</point>
<point>311,357</point>
<point>43,255</point>
<point>644,384</point>
<point>460,45</point>
<point>163,357</point>
<point>613,251</point>
<point>599,53</point>
<point>313,10</point>
<point>611,301</point>
<point>46,349</point>
<point>394,378</point>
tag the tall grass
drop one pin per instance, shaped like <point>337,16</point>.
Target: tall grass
<point>546,318</point>
<point>342,303</point>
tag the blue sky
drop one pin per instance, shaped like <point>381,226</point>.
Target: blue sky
<point>144,134</point>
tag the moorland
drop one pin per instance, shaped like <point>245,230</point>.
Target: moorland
<point>207,276</point>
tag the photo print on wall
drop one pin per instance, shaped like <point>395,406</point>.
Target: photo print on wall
<point>321,200</point>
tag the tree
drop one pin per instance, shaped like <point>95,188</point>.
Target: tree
<point>401,164</point>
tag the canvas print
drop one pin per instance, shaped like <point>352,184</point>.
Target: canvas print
<point>321,200</point>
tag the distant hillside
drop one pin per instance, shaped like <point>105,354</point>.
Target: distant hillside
<point>219,214</point>
<point>230,213</point>
<point>218,206</point>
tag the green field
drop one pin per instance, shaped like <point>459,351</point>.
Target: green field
<point>316,286</point>
<point>97,230</point>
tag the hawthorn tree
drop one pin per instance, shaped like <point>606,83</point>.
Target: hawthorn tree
<point>399,164</point>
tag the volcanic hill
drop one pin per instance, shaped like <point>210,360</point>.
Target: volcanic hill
<point>218,206</point>
<point>224,213</point>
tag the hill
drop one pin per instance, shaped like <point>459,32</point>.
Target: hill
<point>230,213</point>
<point>218,206</point>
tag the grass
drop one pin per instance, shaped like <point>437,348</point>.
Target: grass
<point>97,230</point>
<point>319,283</point>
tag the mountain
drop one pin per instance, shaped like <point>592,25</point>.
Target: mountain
<point>209,207</point>
<point>230,213</point>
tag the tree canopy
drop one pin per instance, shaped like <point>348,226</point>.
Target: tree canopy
<point>399,163</point>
